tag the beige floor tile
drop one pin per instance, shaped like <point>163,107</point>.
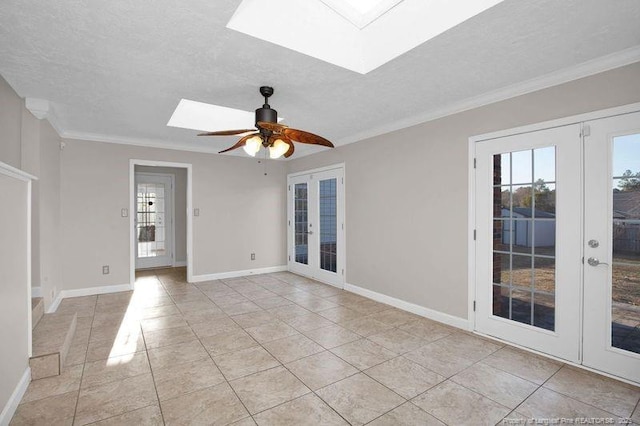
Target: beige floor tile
<point>176,380</point>
<point>316,304</point>
<point>76,355</point>
<point>340,314</point>
<point>113,331</point>
<point>607,394</point>
<point>103,349</point>
<point>456,405</point>
<point>229,341</point>
<point>394,317</point>
<point>169,336</point>
<point>161,323</point>
<point>359,399</point>
<point>213,405</point>
<point>228,299</point>
<point>241,308</point>
<point>147,416</point>
<point>363,353</point>
<point>210,316</point>
<point>45,366</point>
<point>308,322</point>
<point>427,329</point>
<point>244,362</point>
<point>406,415</point>
<point>258,294</point>
<point>271,331</point>
<point>367,307</point>
<point>405,377</point>
<point>366,326</point>
<point>636,415</point>
<point>272,302</point>
<point>523,364</point>
<point>502,387</point>
<point>113,369</point>
<point>292,348</point>
<point>56,410</point>
<point>211,328</point>
<point>306,410</point>
<point>176,354</point>
<point>266,389</point>
<point>545,403</point>
<point>66,382</point>
<point>288,311</point>
<point>332,336</point>
<point>253,319</point>
<point>159,311</point>
<point>345,298</point>
<point>397,341</point>
<point>322,369</point>
<point>115,398</point>
<point>201,305</point>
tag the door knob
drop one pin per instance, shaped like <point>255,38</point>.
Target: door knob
<point>310,232</point>
<point>595,262</point>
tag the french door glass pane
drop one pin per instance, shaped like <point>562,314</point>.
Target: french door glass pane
<point>150,220</point>
<point>625,291</point>
<point>524,231</point>
<point>328,224</point>
<point>301,218</point>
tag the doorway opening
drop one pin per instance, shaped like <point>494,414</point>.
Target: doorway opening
<point>160,219</point>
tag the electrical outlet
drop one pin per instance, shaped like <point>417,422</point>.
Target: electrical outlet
<point>253,256</point>
<point>105,269</point>
<point>196,212</point>
<point>124,212</point>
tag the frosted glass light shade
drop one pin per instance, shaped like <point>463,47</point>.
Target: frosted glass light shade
<point>278,149</point>
<point>252,146</point>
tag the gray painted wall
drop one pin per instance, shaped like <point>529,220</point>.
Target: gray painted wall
<point>241,211</point>
<point>406,191</point>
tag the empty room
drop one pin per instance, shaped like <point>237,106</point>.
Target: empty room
<point>320,212</point>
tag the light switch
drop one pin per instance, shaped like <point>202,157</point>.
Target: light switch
<point>124,212</point>
<point>196,212</point>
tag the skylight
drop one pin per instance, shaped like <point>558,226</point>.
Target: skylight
<point>361,12</point>
<point>210,118</point>
<point>359,35</point>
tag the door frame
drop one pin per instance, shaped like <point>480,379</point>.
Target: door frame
<point>342,236</point>
<point>132,210</point>
<point>170,207</point>
<point>471,213</point>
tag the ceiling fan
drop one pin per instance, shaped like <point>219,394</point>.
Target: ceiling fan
<point>278,138</point>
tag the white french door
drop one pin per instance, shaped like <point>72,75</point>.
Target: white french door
<point>612,246</point>
<point>528,247</point>
<point>316,225</point>
<point>154,220</point>
<point>557,219</point>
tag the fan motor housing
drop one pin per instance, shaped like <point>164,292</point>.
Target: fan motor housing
<point>268,115</point>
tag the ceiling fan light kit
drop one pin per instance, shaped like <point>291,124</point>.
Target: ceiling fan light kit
<point>278,138</point>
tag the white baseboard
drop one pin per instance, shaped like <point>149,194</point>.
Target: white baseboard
<point>36,291</point>
<point>410,307</point>
<point>235,274</point>
<point>179,263</point>
<point>89,291</point>
<point>14,400</point>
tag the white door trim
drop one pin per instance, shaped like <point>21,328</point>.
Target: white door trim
<point>132,209</point>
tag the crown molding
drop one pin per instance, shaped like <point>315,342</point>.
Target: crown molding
<point>585,69</point>
<point>38,107</point>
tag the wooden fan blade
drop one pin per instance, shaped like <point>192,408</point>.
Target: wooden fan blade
<point>274,127</point>
<point>240,143</point>
<point>226,132</point>
<point>305,137</point>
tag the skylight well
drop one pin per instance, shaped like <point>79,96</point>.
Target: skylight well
<point>359,35</point>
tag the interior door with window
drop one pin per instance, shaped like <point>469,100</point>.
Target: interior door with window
<point>154,220</point>
<point>316,225</point>
<point>612,246</point>
<point>528,239</point>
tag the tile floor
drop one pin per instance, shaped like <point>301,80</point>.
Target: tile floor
<point>279,349</point>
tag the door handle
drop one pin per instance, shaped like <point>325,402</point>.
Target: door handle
<point>310,232</point>
<point>592,261</point>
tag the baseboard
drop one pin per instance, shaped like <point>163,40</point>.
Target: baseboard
<point>89,291</point>
<point>410,307</point>
<point>235,274</point>
<point>14,400</point>
<point>36,291</point>
<point>179,263</point>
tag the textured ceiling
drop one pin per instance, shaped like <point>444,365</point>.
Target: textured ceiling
<point>116,70</point>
